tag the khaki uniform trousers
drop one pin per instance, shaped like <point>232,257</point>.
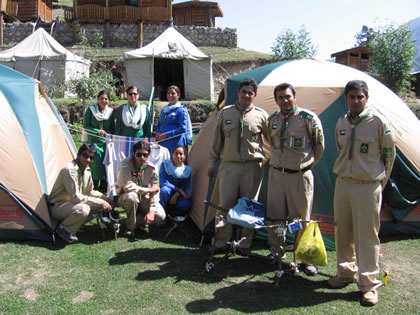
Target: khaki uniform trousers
<point>73,215</point>
<point>236,180</point>
<point>357,221</point>
<point>136,209</point>
<point>289,196</point>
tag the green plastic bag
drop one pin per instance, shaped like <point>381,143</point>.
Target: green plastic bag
<point>311,248</point>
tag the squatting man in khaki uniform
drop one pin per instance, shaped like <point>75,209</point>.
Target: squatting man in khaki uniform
<point>297,144</point>
<point>238,143</point>
<point>72,198</point>
<point>139,189</point>
<point>366,150</point>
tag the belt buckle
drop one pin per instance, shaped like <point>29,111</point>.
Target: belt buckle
<point>282,170</point>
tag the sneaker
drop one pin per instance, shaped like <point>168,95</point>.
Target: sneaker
<point>370,298</point>
<point>274,258</point>
<point>310,270</point>
<point>129,233</point>
<point>338,282</point>
<point>64,235</point>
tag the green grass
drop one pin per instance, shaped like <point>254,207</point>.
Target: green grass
<point>154,276</point>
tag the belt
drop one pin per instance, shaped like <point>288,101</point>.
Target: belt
<point>286,170</point>
<point>351,180</point>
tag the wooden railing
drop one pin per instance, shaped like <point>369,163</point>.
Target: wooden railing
<point>68,13</point>
<point>120,14</point>
<point>9,7</point>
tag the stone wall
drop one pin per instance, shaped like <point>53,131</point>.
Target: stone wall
<point>125,35</point>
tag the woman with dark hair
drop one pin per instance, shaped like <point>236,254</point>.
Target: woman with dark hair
<point>133,118</point>
<point>176,183</point>
<point>98,121</point>
<point>174,125</point>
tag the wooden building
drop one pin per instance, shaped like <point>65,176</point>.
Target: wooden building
<point>120,11</point>
<point>197,13</point>
<point>30,10</point>
<point>358,58</point>
<point>8,7</point>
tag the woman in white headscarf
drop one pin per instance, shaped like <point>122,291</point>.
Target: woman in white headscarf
<point>98,121</point>
<point>133,118</point>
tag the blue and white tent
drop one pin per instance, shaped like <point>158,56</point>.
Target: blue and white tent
<point>34,145</point>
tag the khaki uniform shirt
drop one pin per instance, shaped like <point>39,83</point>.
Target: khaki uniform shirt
<point>227,143</point>
<point>130,181</point>
<point>373,151</point>
<point>303,140</point>
<point>72,186</point>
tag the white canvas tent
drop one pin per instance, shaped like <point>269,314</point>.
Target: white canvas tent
<point>195,66</point>
<point>40,56</point>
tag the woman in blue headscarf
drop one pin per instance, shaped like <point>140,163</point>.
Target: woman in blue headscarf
<point>174,125</point>
<point>175,181</point>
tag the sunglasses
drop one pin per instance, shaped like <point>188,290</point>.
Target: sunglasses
<point>88,156</point>
<point>132,94</point>
<point>140,154</point>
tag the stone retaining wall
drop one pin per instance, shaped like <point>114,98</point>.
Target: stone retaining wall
<point>125,35</point>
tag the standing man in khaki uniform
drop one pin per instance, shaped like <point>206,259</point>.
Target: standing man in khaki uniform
<point>366,150</point>
<point>238,143</point>
<point>139,192</point>
<point>72,197</point>
<point>297,144</point>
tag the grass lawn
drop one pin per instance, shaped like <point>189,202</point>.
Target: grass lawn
<point>154,276</point>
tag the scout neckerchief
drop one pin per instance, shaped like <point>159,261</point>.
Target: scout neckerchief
<point>242,119</point>
<point>284,125</point>
<point>353,129</point>
<point>139,174</point>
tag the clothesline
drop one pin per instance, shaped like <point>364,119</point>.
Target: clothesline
<point>93,134</point>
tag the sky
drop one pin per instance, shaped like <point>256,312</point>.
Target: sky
<point>331,24</point>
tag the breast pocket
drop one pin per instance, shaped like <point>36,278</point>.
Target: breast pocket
<point>229,128</point>
<point>297,140</point>
<point>366,145</point>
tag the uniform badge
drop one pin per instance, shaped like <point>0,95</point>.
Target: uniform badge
<point>254,138</point>
<point>387,132</point>
<point>73,173</point>
<point>228,122</point>
<point>274,126</point>
<point>124,165</point>
<point>133,174</point>
<point>364,148</point>
<point>298,142</point>
<point>342,132</point>
<point>315,125</point>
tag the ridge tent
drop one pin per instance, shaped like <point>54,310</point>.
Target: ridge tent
<point>34,145</point>
<point>320,88</point>
<point>170,59</point>
<point>40,56</point>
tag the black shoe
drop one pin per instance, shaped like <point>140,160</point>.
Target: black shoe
<point>310,270</point>
<point>243,251</point>
<point>104,215</point>
<point>130,234</point>
<point>64,235</point>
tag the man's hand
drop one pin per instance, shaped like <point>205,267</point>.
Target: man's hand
<point>106,206</point>
<point>102,132</point>
<point>154,189</point>
<point>183,194</point>
<point>149,218</point>
<point>211,172</point>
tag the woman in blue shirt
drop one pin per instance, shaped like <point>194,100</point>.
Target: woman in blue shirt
<point>175,179</point>
<point>174,125</point>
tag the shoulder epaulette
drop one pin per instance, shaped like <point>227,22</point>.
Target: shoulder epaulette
<point>272,115</point>
<point>306,115</point>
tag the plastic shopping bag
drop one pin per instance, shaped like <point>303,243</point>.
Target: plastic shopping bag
<point>311,248</point>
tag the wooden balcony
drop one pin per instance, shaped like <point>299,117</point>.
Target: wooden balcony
<point>94,13</point>
<point>9,7</point>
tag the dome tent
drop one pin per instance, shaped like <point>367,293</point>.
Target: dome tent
<point>35,145</point>
<point>320,88</point>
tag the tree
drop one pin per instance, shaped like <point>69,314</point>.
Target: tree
<point>393,56</point>
<point>364,36</point>
<point>290,46</point>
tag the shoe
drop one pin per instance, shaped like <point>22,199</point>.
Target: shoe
<point>64,235</point>
<point>310,270</point>
<point>370,298</point>
<point>274,258</point>
<point>338,282</point>
<point>129,233</point>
